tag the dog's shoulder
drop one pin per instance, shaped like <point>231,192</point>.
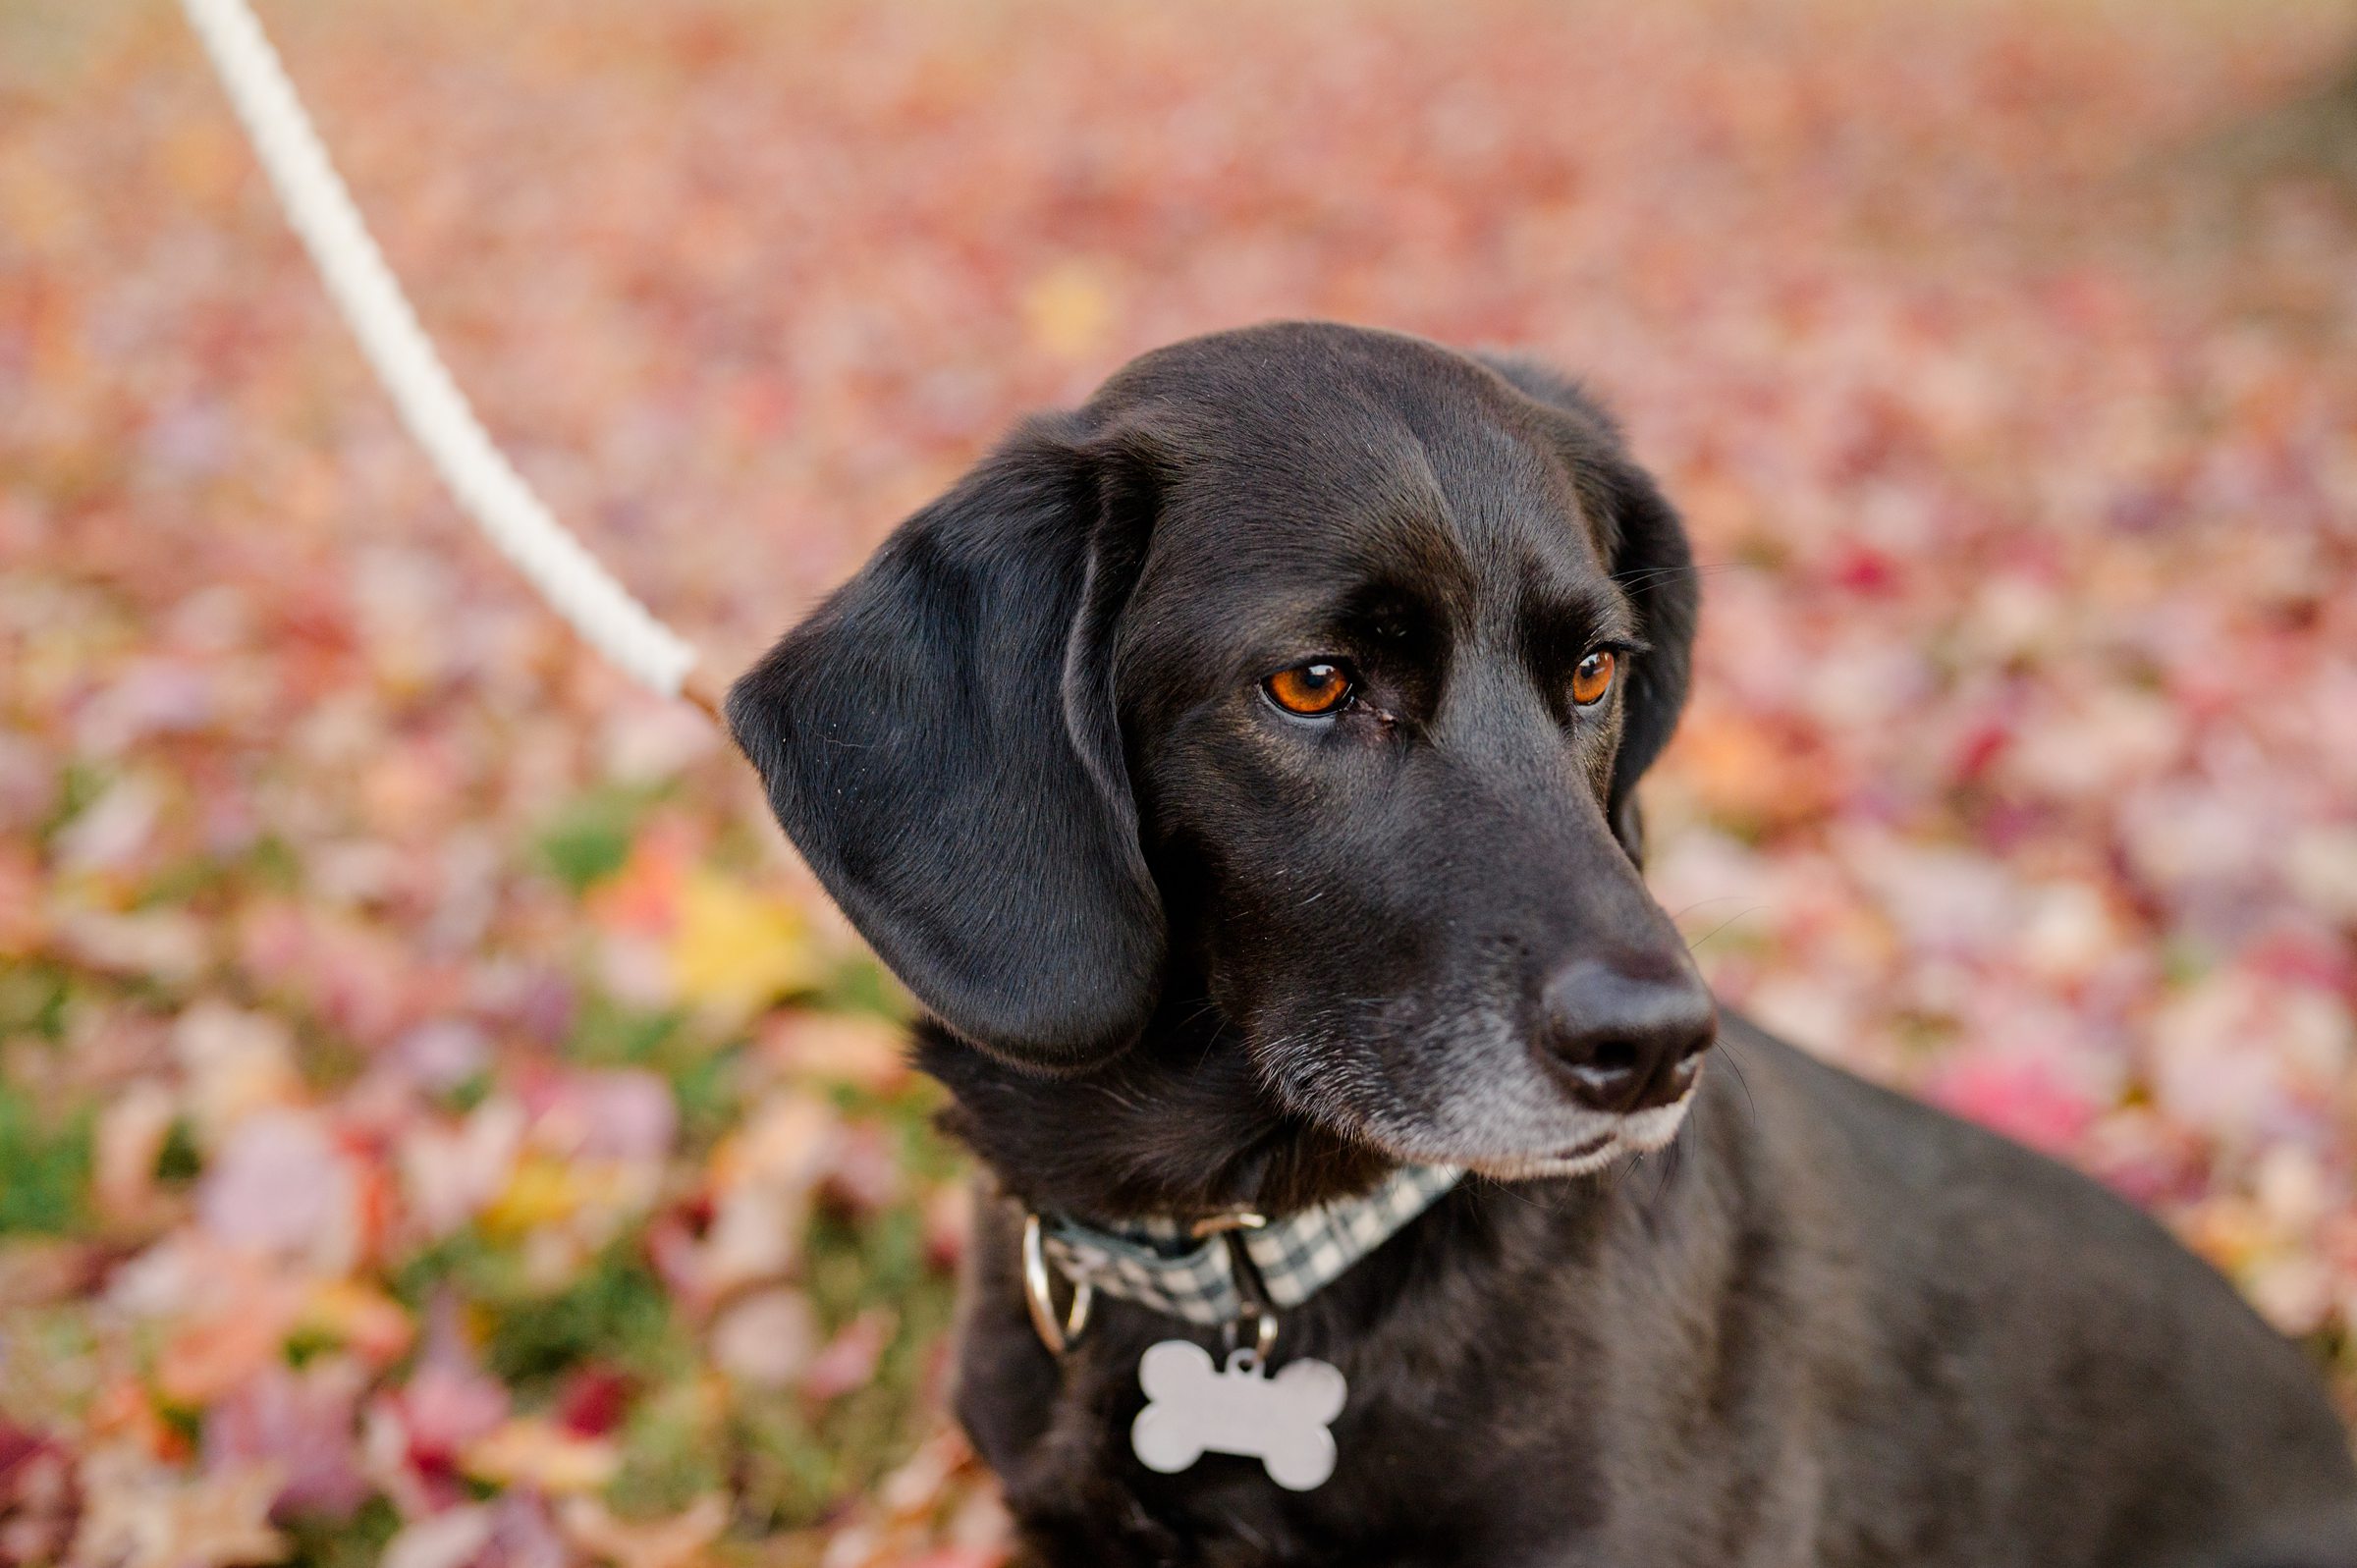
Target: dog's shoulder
<point>2008,1296</point>
<point>1949,1195</point>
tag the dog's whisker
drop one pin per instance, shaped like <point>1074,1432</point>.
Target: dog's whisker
<point>1685,909</point>
<point>1734,1063</point>
<point>1673,1152</point>
<point>1696,943</point>
<point>1659,574</point>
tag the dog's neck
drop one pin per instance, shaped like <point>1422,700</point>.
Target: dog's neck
<point>1181,1123</point>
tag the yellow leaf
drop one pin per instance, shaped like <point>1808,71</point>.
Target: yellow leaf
<point>542,1192</point>
<point>530,1451</point>
<point>1069,310</point>
<point>132,1132</point>
<point>359,1316</point>
<point>673,1543</point>
<point>140,1514</point>
<point>210,1354</point>
<point>204,163</point>
<point>35,205</point>
<point>869,1053</point>
<point>737,948</point>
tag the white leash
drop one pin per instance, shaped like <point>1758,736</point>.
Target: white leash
<point>487,486</point>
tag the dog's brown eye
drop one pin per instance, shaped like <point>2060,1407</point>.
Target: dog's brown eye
<point>1593,679</point>
<point>1311,690</point>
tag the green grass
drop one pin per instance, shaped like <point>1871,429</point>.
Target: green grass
<point>590,839</point>
<point>44,1167</point>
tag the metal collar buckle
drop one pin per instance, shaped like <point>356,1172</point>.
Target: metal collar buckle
<point>1060,1331</point>
<point>1220,1223</point>
<point>1055,1331</point>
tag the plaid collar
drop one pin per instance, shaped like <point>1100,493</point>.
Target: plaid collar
<point>1162,1263</point>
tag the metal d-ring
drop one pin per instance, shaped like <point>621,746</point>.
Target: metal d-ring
<point>1040,1297</point>
<point>1252,1291</point>
<point>1264,1335</point>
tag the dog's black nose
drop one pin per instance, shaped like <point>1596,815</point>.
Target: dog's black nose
<point>1624,1039</point>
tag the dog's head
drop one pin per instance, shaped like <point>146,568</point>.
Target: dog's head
<point>1308,673</point>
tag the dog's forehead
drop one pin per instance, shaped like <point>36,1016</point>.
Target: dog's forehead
<point>1295,460</point>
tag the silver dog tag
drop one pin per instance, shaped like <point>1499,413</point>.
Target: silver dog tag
<point>1194,1408</point>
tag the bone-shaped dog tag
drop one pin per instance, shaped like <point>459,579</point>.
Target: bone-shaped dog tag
<point>1193,1408</point>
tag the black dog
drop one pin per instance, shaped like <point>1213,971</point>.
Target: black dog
<point>1241,769</point>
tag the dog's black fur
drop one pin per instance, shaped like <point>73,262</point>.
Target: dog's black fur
<point>1187,951</point>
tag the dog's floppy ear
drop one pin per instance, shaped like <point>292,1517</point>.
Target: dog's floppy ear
<point>1645,549</point>
<point>1652,564</point>
<point>939,741</point>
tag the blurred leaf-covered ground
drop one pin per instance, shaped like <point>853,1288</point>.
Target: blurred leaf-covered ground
<point>436,1117</point>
